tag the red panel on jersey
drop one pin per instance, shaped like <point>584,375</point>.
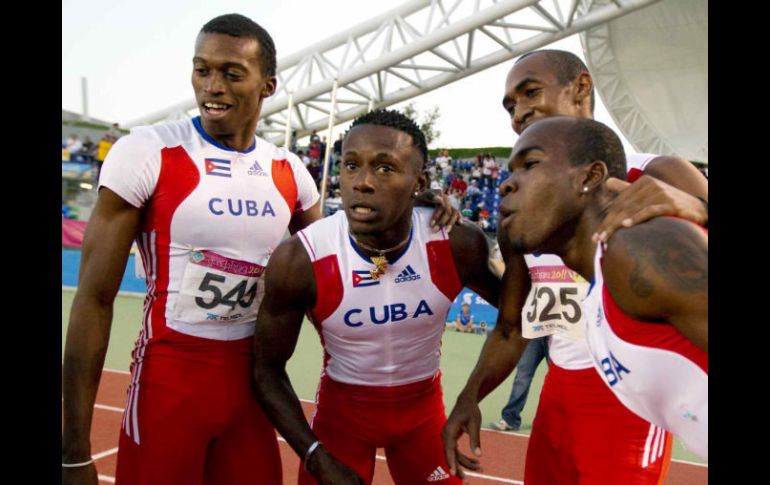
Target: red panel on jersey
<point>633,175</point>
<point>328,281</point>
<point>655,335</point>
<point>178,178</point>
<point>283,177</point>
<point>442,268</point>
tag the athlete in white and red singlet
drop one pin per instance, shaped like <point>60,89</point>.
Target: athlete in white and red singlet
<point>571,442</point>
<point>207,201</point>
<point>652,368</point>
<point>648,341</point>
<point>213,216</point>
<point>572,387</point>
<point>380,385</point>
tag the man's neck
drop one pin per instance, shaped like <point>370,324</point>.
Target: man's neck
<point>579,250</point>
<point>240,140</point>
<point>395,237</point>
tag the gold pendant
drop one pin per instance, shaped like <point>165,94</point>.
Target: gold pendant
<point>380,263</point>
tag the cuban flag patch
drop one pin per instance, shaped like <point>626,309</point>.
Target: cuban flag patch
<point>363,278</point>
<point>218,167</point>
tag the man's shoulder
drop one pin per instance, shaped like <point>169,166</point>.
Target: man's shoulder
<point>467,237</point>
<point>662,242</point>
<point>653,232</point>
<point>275,153</point>
<point>644,266</point>
<point>326,226</point>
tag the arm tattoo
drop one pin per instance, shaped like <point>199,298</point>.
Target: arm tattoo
<point>672,255</point>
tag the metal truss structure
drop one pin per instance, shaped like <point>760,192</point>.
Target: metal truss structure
<point>410,50</point>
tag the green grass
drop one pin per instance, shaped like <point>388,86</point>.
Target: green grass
<point>459,354</point>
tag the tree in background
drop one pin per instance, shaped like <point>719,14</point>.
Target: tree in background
<point>428,121</point>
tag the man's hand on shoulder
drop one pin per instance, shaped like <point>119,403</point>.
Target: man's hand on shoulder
<point>444,214</point>
<point>645,199</point>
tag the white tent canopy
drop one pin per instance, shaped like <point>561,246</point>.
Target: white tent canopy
<point>651,70</point>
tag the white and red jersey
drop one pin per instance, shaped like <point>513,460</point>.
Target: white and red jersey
<point>553,304</point>
<point>652,368</point>
<point>211,218</point>
<point>383,332</point>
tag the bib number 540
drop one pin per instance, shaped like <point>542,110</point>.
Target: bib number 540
<point>238,295</point>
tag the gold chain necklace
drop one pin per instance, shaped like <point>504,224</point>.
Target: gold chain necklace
<point>380,261</point>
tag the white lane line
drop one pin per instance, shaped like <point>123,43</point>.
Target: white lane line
<point>108,408</point>
<point>133,294</point>
<point>105,453</point>
<point>116,371</point>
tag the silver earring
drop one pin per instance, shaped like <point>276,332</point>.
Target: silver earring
<point>585,189</point>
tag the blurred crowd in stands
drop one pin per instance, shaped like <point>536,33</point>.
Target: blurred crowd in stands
<point>471,185</point>
<point>77,191</point>
<point>73,149</point>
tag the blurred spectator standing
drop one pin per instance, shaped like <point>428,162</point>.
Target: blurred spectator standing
<point>302,154</point>
<point>315,149</point>
<point>114,132</point>
<point>334,203</point>
<point>486,171</point>
<point>476,172</point>
<point>89,147</point>
<point>315,169</point>
<point>436,184</point>
<point>454,198</point>
<point>105,144</point>
<point>73,144</point>
<point>460,185</point>
<point>322,150</point>
<point>466,211</point>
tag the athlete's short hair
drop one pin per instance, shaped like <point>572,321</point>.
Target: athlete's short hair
<point>395,119</point>
<point>565,65</point>
<point>237,25</point>
<point>590,140</point>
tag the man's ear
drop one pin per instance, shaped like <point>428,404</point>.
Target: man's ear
<point>593,176</point>
<point>583,86</point>
<point>269,88</point>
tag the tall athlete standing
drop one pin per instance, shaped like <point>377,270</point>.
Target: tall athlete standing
<point>378,284</point>
<point>207,202</point>
<point>582,433</point>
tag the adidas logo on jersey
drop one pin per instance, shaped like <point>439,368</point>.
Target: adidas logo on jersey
<point>407,275</point>
<point>257,170</point>
<point>438,475</point>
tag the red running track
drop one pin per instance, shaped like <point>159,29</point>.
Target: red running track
<point>502,461</point>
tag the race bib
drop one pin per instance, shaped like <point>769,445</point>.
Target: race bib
<point>219,289</point>
<point>553,303</point>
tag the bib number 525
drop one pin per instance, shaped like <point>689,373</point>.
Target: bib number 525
<point>566,299</point>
